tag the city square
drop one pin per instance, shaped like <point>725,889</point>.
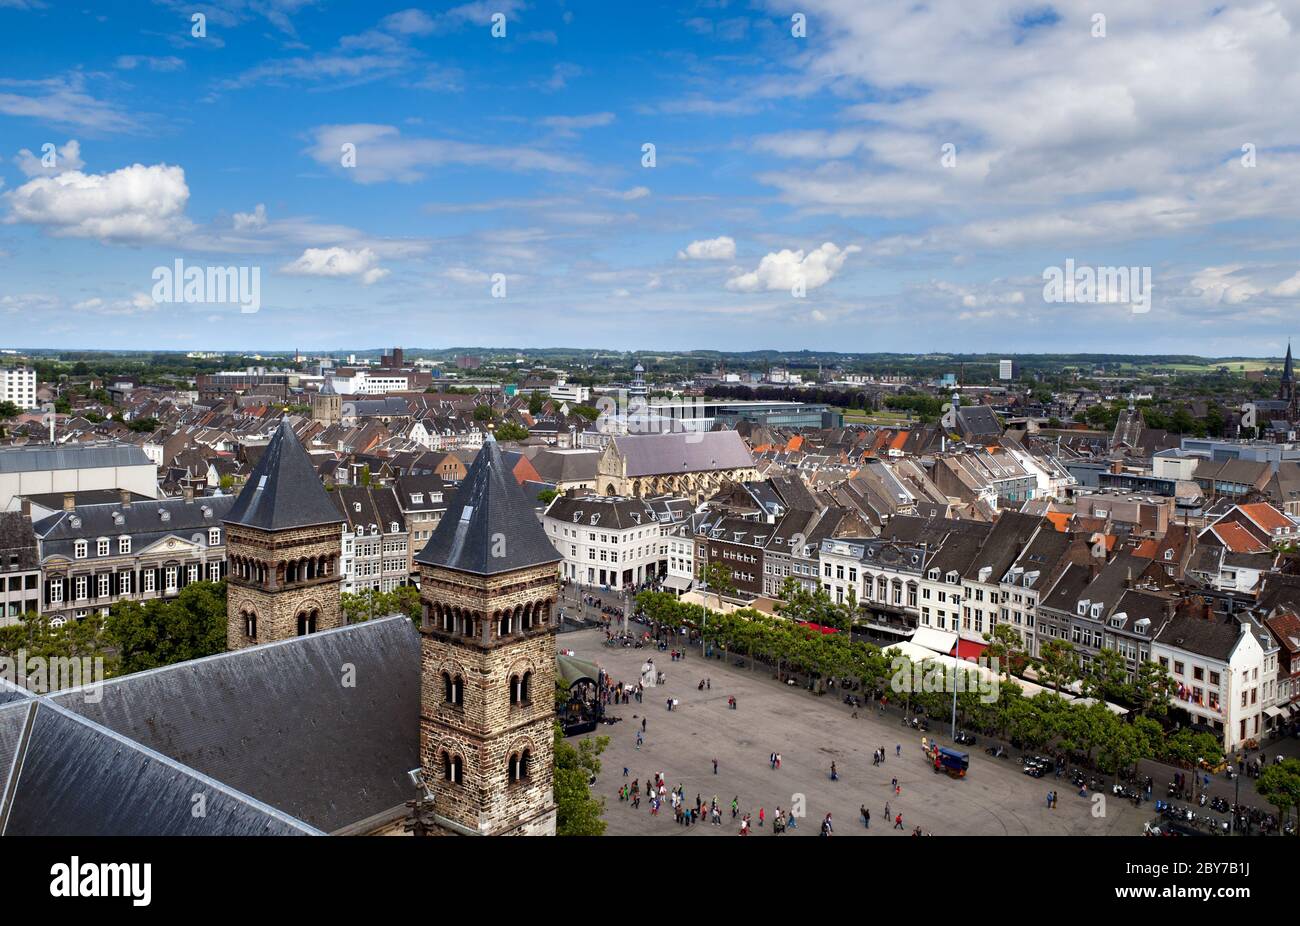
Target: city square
<point>810,732</point>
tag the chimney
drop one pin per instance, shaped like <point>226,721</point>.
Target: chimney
<point>27,508</point>
<point>188,492</point>
<point>69,501</point>
<point>1171,608</point>
<point>125,497</point>
<point>1117,466</point>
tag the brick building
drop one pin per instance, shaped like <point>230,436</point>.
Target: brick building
<point>488,583</point>
<point>284,545</point>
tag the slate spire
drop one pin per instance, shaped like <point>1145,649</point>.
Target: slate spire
<point>283,491</point>
<point>490,525</point>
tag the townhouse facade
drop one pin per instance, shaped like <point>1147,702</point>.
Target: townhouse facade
<point>93,556</point>
<point>376,544</point>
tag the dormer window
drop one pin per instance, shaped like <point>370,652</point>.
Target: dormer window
<point>356,506</point>
<point>417,498</point>
<point>1169,554</point>
<point>123,545</point>
<point>101,546</point>
<point>393,528</point>
<point>79,549</point>
<point>164,514</point>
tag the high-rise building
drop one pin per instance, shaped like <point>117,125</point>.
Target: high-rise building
<point>18,385</point>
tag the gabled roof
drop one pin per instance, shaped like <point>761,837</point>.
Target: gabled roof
<point>64,775</point>
<point>489,526</point>
<point>283,490</point>
<point>274,723</point>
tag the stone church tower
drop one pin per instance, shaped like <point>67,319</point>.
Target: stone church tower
<point>488,583</point>
<point>283,542</point>
<point>327,405</point>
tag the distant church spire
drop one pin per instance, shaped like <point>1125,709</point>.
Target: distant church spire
<point>1287,392</point>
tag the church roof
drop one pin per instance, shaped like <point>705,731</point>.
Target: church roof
<point>283,490</point>
<point>683,452</point>
<point>276,724</point>
<point>63,775</point>
<point>490,526</point>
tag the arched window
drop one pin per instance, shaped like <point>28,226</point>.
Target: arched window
<point>307,623</point>
<point>453,689</point>
<point>250,625</point>
<point>452,769</point>
<point>524,684</point>
<point>519,763</point>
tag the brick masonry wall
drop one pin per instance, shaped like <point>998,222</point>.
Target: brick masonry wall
<point>277,609</point>
<point>487,729</point>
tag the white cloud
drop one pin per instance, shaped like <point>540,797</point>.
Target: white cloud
<point>383,154</point>
<point>338,262</point>
<point>246,221</point>
<point>135,304</point>
<point>62,101</point>
<point>135,203</point>
<point>720,248</point>
<point>465,275</point>
<point>66,158</point>
<point>784,269</point>
<point>160,63</point>
<point>571,125</point>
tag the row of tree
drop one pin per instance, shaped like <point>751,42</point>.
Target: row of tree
<point>997,706</point>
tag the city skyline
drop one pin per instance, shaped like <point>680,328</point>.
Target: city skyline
<point>916,173</point>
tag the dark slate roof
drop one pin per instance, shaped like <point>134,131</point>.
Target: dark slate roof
<point>276,722</point>
<point>283,490</point>
<point>1216,637</point>
<point>72,777</point>
<point>146,522</point>
<point>70,456</point>
<point>677,452</point>
<point>605,511</point>
<point>489,506</point>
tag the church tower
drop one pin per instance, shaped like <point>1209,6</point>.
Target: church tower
<point>283,540</point>
<point>1287,391</point>
<point>327,405</point>
<point>488,584</point>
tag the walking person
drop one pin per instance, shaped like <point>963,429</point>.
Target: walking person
<point>866,816</point>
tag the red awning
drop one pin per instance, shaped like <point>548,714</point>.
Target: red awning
<point>969,649</point>
<point>810,625</point>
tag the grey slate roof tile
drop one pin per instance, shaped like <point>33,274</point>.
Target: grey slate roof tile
<point>489,505</point>
<point>283,490</point>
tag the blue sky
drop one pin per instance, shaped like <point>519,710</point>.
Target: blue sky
<point>801,197</point>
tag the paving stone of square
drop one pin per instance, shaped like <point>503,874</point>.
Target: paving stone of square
<point>995,797</point>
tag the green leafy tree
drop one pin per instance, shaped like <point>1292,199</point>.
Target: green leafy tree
<point>1006,646</point>
<point>1280,785</point>
<point>161,632</point>
<point>578,812</point>
<point>510,431</point>
<point>371,603</point>
<point>536,402</point>
<point>1058,663</point>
